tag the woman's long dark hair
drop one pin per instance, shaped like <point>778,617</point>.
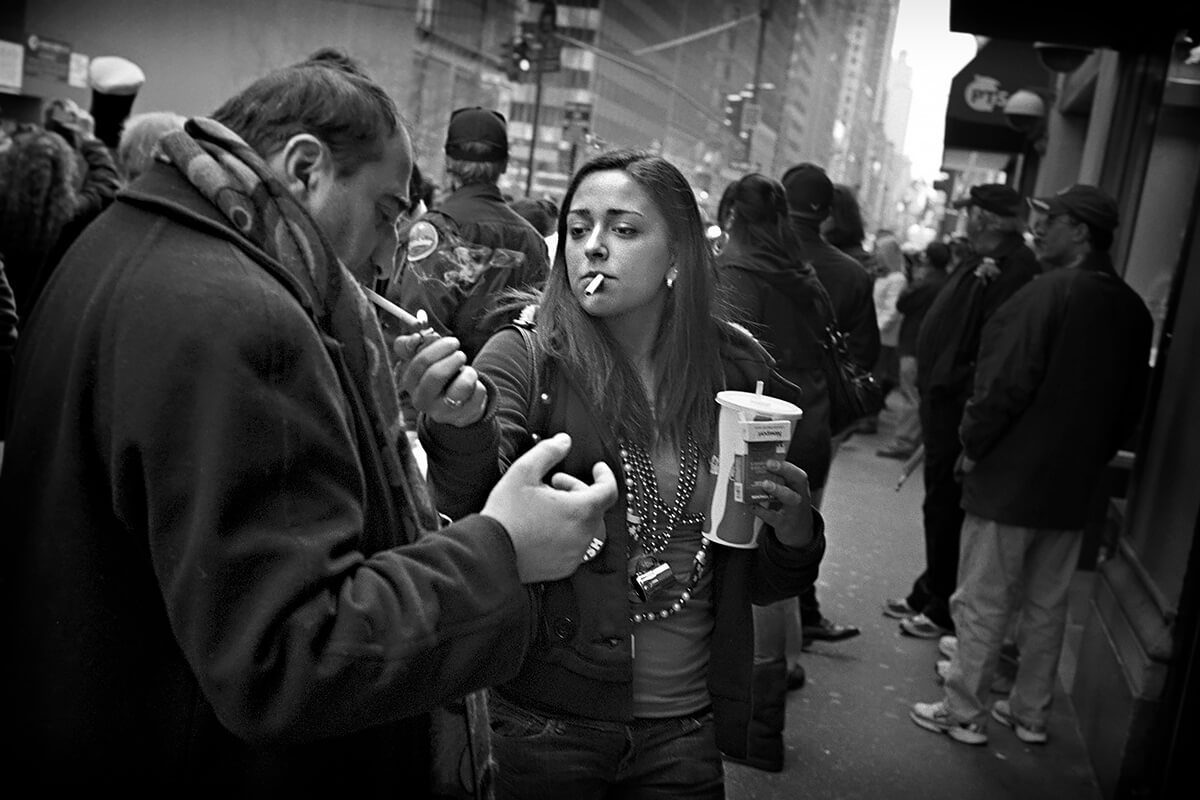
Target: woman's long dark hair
<point>686,350</point>
<point>844,228</point>
<point>760,216</point>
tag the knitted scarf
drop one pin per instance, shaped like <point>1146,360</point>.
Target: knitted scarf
<point>243,188</point>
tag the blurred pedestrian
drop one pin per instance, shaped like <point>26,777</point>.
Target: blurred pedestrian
<point>810,194</point>
<point>643,672</point>
<point>1036,441</point>
<point>890,280</point>
<point>536,213</point>
<point>53,182</point>
<point>843,227</point>
<point>465,253</point>
<point>222,570</point>
<point>778,297</point>
<point>947,346</point>
<point>928,279</point>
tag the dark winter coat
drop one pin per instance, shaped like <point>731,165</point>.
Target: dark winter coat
<point>850,287</point>
<point>948,340</point>
<point>201,586</point>
<point>779,301</point>
<point>914,303</point>
<point>462,255</point>
<point>1059,387</point>
<point>581,664</point>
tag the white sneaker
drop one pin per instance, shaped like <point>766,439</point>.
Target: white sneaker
<point>948,645</point>
<point>936,717</point>
<point>1029,734</point>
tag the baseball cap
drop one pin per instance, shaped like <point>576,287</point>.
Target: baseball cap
<point>809,191</point>
<point>477,125</point>
<point>994,197</point>
<point>1082,201</point>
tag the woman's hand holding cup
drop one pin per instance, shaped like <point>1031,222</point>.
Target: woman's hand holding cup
<point>789,511</point>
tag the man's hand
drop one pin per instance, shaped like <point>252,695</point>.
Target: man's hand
<point>551,525</point>
<point>790,512</point>
<point>438,380</point>
<point>962,466</point>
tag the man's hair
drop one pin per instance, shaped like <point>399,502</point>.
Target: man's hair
<point>328,96</point>
<point>139,139</point>
<point>474,172</point>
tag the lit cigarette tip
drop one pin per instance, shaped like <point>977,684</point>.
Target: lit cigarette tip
<point>422,317</point>
<point>594,285</point>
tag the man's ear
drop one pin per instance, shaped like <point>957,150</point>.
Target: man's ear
<point>303,164</point>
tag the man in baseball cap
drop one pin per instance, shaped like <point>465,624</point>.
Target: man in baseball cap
<point>477,134</point>
<point>1084,202</point>
<point>809,191</point>
<point>463,254</point>
<point>1060,379</point>
<point>1078,220</point>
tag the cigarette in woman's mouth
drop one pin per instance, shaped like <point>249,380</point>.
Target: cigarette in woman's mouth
<point>594,285</point>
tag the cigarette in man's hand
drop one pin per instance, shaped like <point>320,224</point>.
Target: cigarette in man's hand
<point>594,285</point>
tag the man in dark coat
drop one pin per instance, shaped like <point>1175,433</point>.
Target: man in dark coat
<point>1059,387</point>
<point>473,246</point>
<point>947,344</point>
<point>809,197</point>
<point>222,571</point>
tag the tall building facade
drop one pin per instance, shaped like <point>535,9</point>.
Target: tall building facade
<point>860,147</point>
<point>813,86</point>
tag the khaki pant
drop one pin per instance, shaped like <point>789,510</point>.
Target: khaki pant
<point>1005,570</point>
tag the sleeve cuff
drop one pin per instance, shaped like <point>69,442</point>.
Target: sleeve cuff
<point>477,437</point>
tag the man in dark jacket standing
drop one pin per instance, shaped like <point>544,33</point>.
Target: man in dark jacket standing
<point>1059,387</point>
<point>473,246</point>
<point>947,344</point>
<point>221,568</point>
<point>809,197</point>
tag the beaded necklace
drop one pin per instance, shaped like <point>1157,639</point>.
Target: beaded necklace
<point>651,522</point>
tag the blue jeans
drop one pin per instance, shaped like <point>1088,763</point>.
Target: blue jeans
<point>540,756</point>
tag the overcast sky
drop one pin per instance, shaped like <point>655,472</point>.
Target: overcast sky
<point>935,54</point>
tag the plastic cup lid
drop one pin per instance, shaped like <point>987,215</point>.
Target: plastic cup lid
<point>759,404</point>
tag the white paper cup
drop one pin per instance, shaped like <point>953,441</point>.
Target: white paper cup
<point>751,428</point>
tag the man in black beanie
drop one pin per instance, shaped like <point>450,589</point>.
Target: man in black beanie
<point>473,246</point>
<point>809,194</point>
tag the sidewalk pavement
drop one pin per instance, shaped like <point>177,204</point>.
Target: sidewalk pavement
<point>848,732</point>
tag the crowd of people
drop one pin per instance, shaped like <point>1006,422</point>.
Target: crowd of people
<point>318,476</point>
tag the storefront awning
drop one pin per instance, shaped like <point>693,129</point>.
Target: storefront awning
<point>1148,26</point>
<point>975,107</point>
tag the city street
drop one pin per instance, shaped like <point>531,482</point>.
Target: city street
<point>848,731</point>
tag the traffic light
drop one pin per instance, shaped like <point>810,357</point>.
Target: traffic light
<point>516,58</point>
<point>733,114</point>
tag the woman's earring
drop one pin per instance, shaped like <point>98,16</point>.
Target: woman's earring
<point>671,275</point>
